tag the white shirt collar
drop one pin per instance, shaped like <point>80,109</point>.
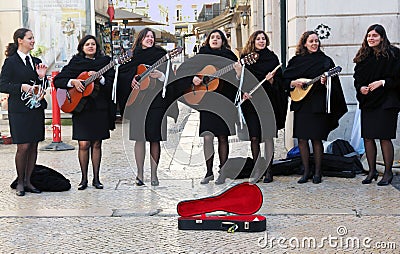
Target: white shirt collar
<point>23,56</point>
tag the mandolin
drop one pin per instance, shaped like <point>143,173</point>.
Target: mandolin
<point>143,72</point>
<point>299,93</point>
<point>210,79</point>
<point>70,99</point>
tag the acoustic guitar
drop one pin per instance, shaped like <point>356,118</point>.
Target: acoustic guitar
<point>70,99</point>
<point>299,93</point>
<point>210,79</point>
<point>143,72</point>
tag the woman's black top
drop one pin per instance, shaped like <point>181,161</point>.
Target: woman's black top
<point>373,69</point>
<point>310,66</point>
<point>266,62</point>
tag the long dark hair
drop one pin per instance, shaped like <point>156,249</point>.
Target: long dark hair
<point>301,50</point>
<point>141,35</point>
<point>383,49</point>
<point>82,43</point>
<point>12,47</point>
<point>251,42</point>
<point>225,43</point>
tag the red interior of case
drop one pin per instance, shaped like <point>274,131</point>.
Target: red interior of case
<point>242,199</point>
<point>226,218</point>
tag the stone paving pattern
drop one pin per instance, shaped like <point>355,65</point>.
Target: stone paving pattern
<point>125,218</point>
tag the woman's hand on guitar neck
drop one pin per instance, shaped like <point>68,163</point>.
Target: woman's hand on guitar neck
<point>78,85</point>
<point>135,83</point>
<point>238,68</point>
<point>197,81</point>
<point>323,79</point>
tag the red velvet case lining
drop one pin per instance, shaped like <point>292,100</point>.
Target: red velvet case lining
<point>242,199</point>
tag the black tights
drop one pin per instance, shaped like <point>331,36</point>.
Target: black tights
<point>223,151</point>
<point>83,155</point>
<point>387,153</point>
<point>318,150</point>
<point>140,153</point>
<point>25,160</point>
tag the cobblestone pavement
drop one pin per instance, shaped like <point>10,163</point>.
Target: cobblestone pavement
<point>338,216</point>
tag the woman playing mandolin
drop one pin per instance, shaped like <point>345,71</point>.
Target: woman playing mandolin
<point>314,118</point>
<point>92,123</point>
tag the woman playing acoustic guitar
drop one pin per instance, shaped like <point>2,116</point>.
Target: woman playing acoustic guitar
<point>312,119</point>
<point>146,105</point>
<point>92,124</point>
<point>216,105</point>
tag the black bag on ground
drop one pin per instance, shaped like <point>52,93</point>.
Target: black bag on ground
<point>288,166</point>
<point>47,179</point>
<point>339,166</point>
<point>342,148</point>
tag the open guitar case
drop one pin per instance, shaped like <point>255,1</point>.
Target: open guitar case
<point>239,204</point>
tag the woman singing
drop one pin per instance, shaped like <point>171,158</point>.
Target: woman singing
<point>92,124</point>
<point>146,112</point>
<point>21,75</point>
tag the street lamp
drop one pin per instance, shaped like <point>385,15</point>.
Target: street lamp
<point>244,16</point>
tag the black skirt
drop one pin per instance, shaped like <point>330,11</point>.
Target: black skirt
<point>211,122</point>
<point>90,125</point>
<point>27,127</point>
<point>311,125</point>
<point>379,123</point>
<point>154,129</point>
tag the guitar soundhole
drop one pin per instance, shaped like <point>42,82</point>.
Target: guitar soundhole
<point>206,80</point>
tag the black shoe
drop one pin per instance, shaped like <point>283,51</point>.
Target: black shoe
<point>207,179</point>
<point>82,186</point>
<point>316,179</point>
<point>34,190</point>
<point>20,193</point>
<point>368,180</point>
<point>220,180</point>
<point>139,182</point>
<point>97,185</point>
<point>155,182</point>
<point>386,182</point>
<point>303,179</point>
<point>268,178</point>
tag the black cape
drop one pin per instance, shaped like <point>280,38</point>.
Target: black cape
<point>373,69</point>
<point>310,66</point>
<point>266,62</point>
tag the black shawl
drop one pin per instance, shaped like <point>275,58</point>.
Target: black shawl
<point>152,95</point>
<point>373,69</point>
<point>310,66</point>
<point>267,62</point>
<point>102,101</point>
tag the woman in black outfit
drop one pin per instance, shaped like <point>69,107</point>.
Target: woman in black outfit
<point>311,120</point>
<point>263,68</point>
<point>146,113</point>
<point>213,122</point>
<point>377,64</point>
<point>20,74</point>
<point>93,123</point>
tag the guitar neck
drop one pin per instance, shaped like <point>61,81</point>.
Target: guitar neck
<point>151,68</point>
<point>221,72</point>
<point>99,73</point>
<point>312,81</point>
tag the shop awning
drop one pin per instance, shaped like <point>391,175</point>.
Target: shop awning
<point>221,20</point>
